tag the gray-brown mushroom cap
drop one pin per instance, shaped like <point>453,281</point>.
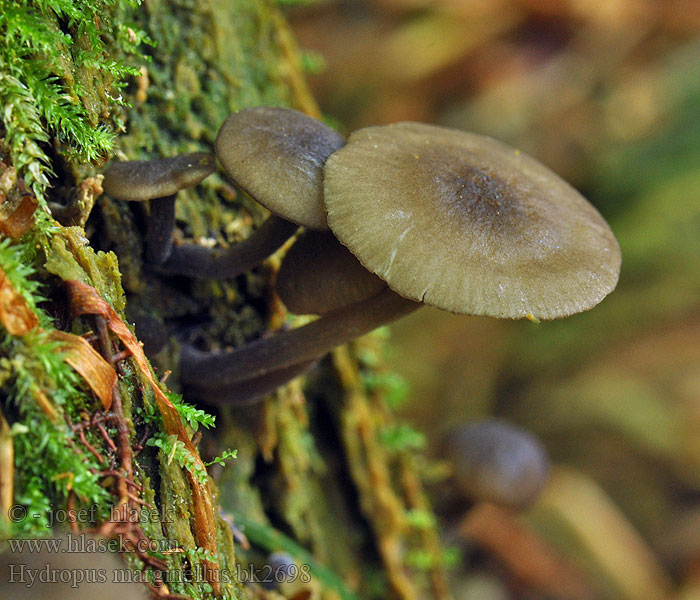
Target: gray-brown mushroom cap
<point>138,181</point>
<point>467,224</point>
<point>497,462</point>
<point>277,155</point>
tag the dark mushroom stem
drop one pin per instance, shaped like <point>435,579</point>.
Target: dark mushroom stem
<point>139,180</point>
<point>161,225</point>
<point>192,260</point>
<point>319,275</point>
<point>158,181</point>
<point>249,391</point>
<point>152,332</point>
<point>287,349</point>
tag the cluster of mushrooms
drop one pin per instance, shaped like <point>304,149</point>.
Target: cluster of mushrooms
<point>393,218</point>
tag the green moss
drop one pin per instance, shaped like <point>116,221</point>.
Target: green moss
<point>394,387</point>
<point>62,71</point>
<point>17,262</point>
<point>398,437</point>
<point>34,375</point>
<point>71,258</point>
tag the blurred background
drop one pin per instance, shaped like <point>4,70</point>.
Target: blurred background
<point>607,94</point>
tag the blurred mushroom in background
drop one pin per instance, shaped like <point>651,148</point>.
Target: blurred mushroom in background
<point>494,461</point>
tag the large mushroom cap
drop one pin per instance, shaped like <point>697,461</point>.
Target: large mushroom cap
<point>277,155</point>
<point>467,224</point>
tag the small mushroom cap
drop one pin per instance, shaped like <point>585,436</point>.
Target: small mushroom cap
<point>467,224</point>
<point>277,155</point>
<point>319,275</point>
<point>497,462</point>
<point>141,180</point>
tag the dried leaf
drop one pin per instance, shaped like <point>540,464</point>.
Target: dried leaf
<point>606,535</point>
<point>45,404</point>
<point>15,314</point>
<point>84,299</point>
<point>526,555</point>
<point>21,219</point>
<point>18,318</point>
<point>98,373</point>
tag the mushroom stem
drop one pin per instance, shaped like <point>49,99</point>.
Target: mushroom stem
<point>249,391</point>
<point>319,275</point>
<point>193,260</point>
<point>161,224</point>
<point>291,347</point>
<point>157,181</point>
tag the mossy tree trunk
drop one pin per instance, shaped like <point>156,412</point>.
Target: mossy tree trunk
<point>326,463</point>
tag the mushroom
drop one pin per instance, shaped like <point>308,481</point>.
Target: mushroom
<point>220,376</point>
<point>494,461</point>
<point>452,219</point>
<point>276,155</point>
<point>467,224</point>
<point>318,276</point>
<point>157,181</point>
<point>244,391</point>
